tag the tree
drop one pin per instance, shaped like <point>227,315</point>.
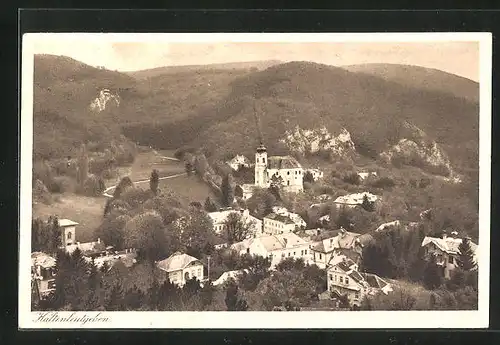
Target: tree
<point>83,166</point>
<point>153,181</point>
<point>197,235</point>
<point>235,229</point>
<point>433,275</point>
<point>233,302</point>
<point>71,280</point>
<point>308,177</point>
<point>111,231</point>
<point>115,298</point>
<point>210,205</point>
<point>227,195</point>
<point>254,269</point>
<point>124,183</point>
<point>465,259</point>
<point>367,205</point>
<point>146,233</point>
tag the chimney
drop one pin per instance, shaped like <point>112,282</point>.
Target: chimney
<point>78,244</point>
<point>98,240</point>
<point>444,236</point>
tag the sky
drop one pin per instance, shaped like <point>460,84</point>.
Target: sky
<point>460,58</point>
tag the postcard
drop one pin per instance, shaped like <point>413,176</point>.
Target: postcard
<point>204,181</point>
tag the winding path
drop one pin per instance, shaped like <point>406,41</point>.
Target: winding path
<point>107,191</point>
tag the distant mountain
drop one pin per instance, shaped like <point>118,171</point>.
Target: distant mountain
<point>423,78</point>
<point>71,101</point>
<point>250,65</point>
<point>377,113</point>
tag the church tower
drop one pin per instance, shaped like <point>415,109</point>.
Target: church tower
<point>261,167</point>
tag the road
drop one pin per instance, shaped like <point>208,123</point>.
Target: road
<point>107,191</point>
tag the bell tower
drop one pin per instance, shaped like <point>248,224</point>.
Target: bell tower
<point>261,166</point>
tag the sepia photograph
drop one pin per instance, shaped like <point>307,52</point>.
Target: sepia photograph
<point>185,180</point>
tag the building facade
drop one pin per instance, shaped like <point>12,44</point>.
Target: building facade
<point>275,224</point>
<point>180,267</point>
<point>220,217</point>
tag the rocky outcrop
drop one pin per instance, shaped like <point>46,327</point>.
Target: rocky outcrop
<point>422,152</point>
<point>313,141</point>
<point>103,99</point>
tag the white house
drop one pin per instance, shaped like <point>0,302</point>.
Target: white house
<point>275,247</point>
<point>353,200</point>
<point>315,173</point>
<point>343,279</point>
<point>286,170</point>
<point>219,219</point>
<point>324,251</point>
<point>388,225</point>
<point>228,275</point>
<point>445,250</point>
<point>275,224</point>
<point>42,274</point>
<point>296,218</point>
<point>239,161</point>
<point>181,267</point>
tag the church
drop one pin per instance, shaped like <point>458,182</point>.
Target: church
<point>284,171</point>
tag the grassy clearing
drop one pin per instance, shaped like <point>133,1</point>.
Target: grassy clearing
<point>87,211</point>
<point>189,188</point>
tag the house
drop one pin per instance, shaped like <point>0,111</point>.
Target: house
<point>228,275</point>
<point>42,274</point>
<point>388,225</point>
<point>220,217</point>
<point>89,249</point>
<point>353,200</point>
<point>344,279</point>
<point>238,161</point>
<point>315,173</point>
<point>445,250</point>
<point>180,267</point>
<point>275,247</point>
<point>275,224</point>
<point>68,231</point>
<point>283,170</point>
<point>127,256</point>
<point>344,243</point>
<point>297,219</point>
<point>247,191</point>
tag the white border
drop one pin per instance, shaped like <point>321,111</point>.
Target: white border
<point>263,320</point>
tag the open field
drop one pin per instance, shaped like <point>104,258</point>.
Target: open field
<point>189,188</point>
<point>87,211</point>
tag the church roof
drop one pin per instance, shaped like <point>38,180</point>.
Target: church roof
<point>283,162</point>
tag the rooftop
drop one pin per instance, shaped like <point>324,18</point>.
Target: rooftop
<point>282,162</point>
<point>42,259</point>
<point>66,222</point>
<point>280,218</point>
<point>176,261</point>
<point>87,248</point>
<point>448,244</point>
<point>338,239</point>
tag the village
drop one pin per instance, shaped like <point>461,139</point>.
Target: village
<point>281,237</point>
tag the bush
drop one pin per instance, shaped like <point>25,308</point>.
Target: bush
<point>383,182</point>
<point>93,186</point>
<point>136,196</point>
<point>62,184</point>
<point>352,178</point>
<point>41,193</point>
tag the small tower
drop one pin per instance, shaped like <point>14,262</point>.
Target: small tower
<point>68,232</point>
<point>261,166</point>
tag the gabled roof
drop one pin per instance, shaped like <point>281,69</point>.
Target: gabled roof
<point>66,222</point>
<point>345,265</point>
<point>282,162</point>
<point>449,245</point>
<point>280,218</point>
<point>42,259</point>
<point>355,199</point>
<point>340,240</point>
<point>374,280</point>
<point>227,275</point>
<point>176,261</point>
<point>271,242</point>
<point>86,247</point>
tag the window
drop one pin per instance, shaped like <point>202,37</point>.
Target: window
<point>68,236</point>
<point>282,255</point>
<point>289,253</point>
<point>248,250</point>
<point>450,260</point>
<point>320,256</point>
<point>346,280</point>
<point>305,252</point>
<point>288,173</point>
<point>341,280</point>
<point>186,276</point>
<point>331,276</point>
<point>293,253</point>
<point>356,295</point>
<point>263,160</point>
<point>335,277</point>
<point>199,272</point>
<point>288,182</point>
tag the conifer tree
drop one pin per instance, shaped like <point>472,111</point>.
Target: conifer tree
<point>153,181</point>
<point>210,205</point>
<point>233,302</point>
<point>367,205</point>
<point>465,259</point>
<point>433,275</point>
<point>227,192</point>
